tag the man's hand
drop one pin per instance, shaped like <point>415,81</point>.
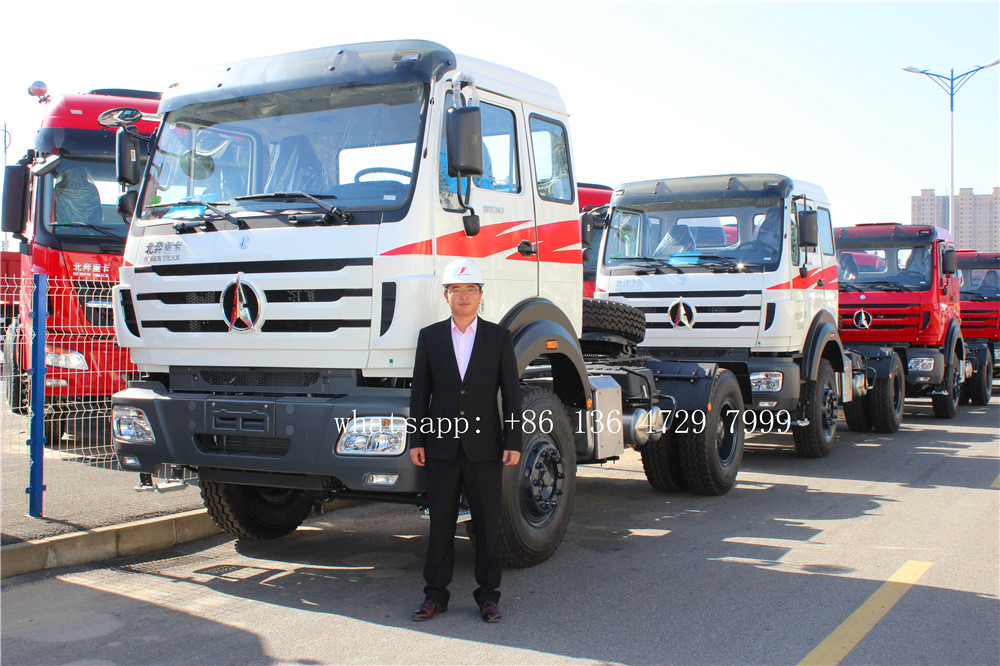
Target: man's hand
<point>417,456</point>
<point>511,458</point>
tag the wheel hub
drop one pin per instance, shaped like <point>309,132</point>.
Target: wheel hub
<point>541,485</point>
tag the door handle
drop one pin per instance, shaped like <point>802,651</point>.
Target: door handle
<point>526,248</point>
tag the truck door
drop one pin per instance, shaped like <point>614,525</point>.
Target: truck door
<point>560,271</point>
<point>502,199</point>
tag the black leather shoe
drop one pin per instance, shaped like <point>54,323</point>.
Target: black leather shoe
<point>489,612</point>
<point>427,610</point>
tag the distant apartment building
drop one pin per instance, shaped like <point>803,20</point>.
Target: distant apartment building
<point>977,223</point>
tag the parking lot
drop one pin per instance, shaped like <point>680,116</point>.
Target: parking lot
<point>791,565</point>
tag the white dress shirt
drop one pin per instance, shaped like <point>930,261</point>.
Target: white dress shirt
<point>462,344</point>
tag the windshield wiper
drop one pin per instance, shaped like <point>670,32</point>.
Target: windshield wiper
<point>729,264</point>
<point>194,224</point>
<point>886,285</point>
<point>658,263</point>
<point>84,225</point>
<point>332,213</point>
<point>973,295</point>
<point>849,286</point>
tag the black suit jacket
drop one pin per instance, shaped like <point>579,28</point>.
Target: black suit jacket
<point>439,393</point>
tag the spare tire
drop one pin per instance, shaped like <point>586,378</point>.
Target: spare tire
<point>614,318</point>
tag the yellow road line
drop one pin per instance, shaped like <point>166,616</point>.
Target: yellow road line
<point>837,645</point>
<point>996,483</point>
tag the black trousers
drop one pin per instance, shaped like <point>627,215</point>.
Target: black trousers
<point>481,481</point>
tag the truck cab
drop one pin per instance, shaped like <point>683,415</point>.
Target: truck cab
<point>60,208</point>
<point>899,288</point>
<point>979,279</point>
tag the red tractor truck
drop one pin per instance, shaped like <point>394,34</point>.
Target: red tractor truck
<point>979,276</point>
<point>61,219</point>
<point>899,292</point>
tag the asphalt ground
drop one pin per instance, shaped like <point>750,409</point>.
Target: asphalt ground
<point>885,552</point>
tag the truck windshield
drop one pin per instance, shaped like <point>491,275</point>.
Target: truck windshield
<point>80,198</point>
<point>886,268</point>
<point>746,237</point>
<point>353,143</point>
<point>980,283</point>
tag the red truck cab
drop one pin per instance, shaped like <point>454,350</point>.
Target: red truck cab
<point>899,288</point>
<point>60,207</point>
<point>979,276</point>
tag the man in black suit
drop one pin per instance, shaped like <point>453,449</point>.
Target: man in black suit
<point>460,365</point>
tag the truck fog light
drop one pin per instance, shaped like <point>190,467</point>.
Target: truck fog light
<point>384,480</point>
<point>55,381</point>
<point>373,436</point>
<point>921,364</point>
<point>996,354</point>
<point>130,462</point>
<point>765,381</point>
<point>770,403</point>
<point>131,426</point>
<point>64,358</point>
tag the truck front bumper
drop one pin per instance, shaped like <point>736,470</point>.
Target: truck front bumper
<point>276,435</point>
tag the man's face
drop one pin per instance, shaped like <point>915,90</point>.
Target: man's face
<point>463,299</point>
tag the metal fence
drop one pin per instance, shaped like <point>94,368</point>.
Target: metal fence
<point>61,365</point>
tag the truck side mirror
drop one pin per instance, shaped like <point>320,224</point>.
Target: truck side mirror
<point>126,205</point>
<point>808,228</point>
<point>587,228</point>
<point>15,199</point>
<point>127,158</point>
<point>465,141</point>
<point>949,262</point>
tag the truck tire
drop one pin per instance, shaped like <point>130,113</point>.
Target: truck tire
<point>887,398</point>
<point>980,385</point>
<point>15,386</point>
<point>615,318</point>
<point>819,406</point>
<point>255,512</point>
<point>661,461</point>
<point>711,458</point>
<point>857,414</point>
<point>538,492</point>
<point>946,406</point>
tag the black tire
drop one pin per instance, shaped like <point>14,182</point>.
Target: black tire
<point>711,458</point>
<point>981,385</point>
<point>15,386</point>
<point>857,414</point>
<point>255,512</point>
<point>818,404</point>
<point>946,406</point>
<point>538,492</point>
<point>615,318</point>
<point>661,461</point>
<point>888,397</point>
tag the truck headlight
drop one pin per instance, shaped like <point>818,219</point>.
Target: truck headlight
<point>921,364</point>
<point>373,436</point>
<point>131,426</point>
<point>56,357</point>
<point>768,382</point>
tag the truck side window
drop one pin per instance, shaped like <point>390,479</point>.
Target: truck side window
<point>500,159</point>
<point>825,231</point>
<point>551,152</point>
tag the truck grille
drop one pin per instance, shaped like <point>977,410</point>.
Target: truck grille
<point>257,378</point>
<point>240,445</point>
<point>95,301</point>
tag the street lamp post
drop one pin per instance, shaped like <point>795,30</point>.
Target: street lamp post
<point>951,85</point>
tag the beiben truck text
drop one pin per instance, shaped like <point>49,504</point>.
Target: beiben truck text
<point>286,247</point>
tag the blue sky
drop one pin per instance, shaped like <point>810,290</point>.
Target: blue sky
<point>659,89</point>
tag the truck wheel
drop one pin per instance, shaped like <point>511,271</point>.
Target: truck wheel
<point>15,386</point>
<point>946,406</point>
<point>819,406</point>
<point>661,461</point>
<point>615,318</point>
<point>981,385</point>
<point>888,397</point>
<point>538,492</point>
<point>711,458</point>
<point>255,512</point>
<point>857,415</point>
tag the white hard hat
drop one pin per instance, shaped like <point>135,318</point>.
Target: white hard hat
<point>462,271</point>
